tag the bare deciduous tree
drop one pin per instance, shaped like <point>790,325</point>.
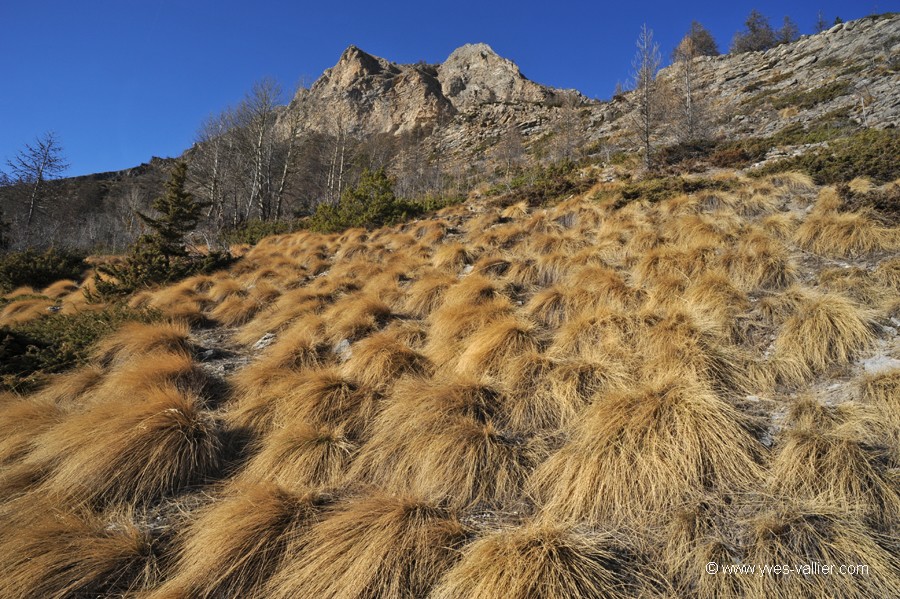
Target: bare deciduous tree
<point>647,97</point>
<point>33,167</point>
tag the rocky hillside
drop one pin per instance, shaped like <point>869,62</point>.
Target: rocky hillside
<point>473,97</point>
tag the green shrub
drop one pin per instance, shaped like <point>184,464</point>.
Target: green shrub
<point>871,153</point>
<point>370,204</point>
<point>543,185</point>
<point>56,342</point>
<point>810,98</point>
<point>39,269</point>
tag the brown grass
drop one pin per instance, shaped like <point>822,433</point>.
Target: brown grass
<point>354,317</point>
<point>546,561</point>
<point>836,458</point>
<point>380,359</point>
<point>111,454</point>
<point>135,340</point>
<point>824,331</point>
<point>79,554</point>
<point>232,546</point>
<point>804,533</point>
<point>372,546</point>
<point>492,347</point>
<point>843,234</point>
<point>300,456</point>
<point>635,454</point>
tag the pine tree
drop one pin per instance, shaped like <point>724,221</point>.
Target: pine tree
<point>179,214</point>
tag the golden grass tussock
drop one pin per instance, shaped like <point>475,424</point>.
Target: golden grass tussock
<point>24,310</point>
<point>451,257</point>
<point>134,340</point>
<point>836,459</point>
<point>715,295</point>
<point>759,261</point>
<point>372,546</point>
<point>78,554</point>
<point>638,453</point>
<point>300,347</point>
<point>461,460</point>
<point>379,360</point>
<point>288,308</point>
<point>234,544</point>
<point>544,394</point>
<point>792,181</point>
<point>825,330</point>
<point>236,309</point>
<point>453,323</point>
<point>20,291</point>
<point>22,420</point>
<point>843,234</point>
<point>70,389</point>
<point>60,288</point>
<point>489,349</point>
<point>110,455</point>
<point>426,293</point>
<point>178,302</point>
<point>354,316</point>
<point>326,397</point>
<point>887,273</point>
<point>809,533</point>
<point>550,307</point>
<point>780,225</point>
<point>691,344</point>
<point>882,390</point>
<point>132,381</point>
<point>548,561</point>
<point>298,455</point>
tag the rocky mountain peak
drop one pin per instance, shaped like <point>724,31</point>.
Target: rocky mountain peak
<point>474,74</point>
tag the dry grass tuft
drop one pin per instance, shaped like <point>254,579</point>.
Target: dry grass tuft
<point>232,546</point>
<point>21,421</point>
<point>843,234</point>
<point>825,330</point>
<point>299,456</point>
<point>836,458</point>
<point>374,546</point>
<point>380,359</point>
<point>114,453</point>
<point>61,555</point>
<point>546,561</point>
<point>814,533</point>
<point>636,454</point>
<point>492,347</point>
<point>135,340</point>
<point>355,316</point>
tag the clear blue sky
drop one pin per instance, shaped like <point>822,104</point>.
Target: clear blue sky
<point>121,81</point>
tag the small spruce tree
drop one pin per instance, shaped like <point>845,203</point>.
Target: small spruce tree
<point>163,255</point>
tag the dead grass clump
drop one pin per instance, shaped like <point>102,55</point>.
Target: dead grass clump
<point>21,421</point>
<point>426,293</point>
<point>20,311</point>
<point>493,346</point>
<point>299,455</point>
<point>824,331</point>
<point>549,307</point>
<point>79,554</point>
<point>546,394</point>
<point>807,533</point>
<point>887,273</point>
<point>780,225</point>
<point>288,308</point>
<point>68,390</point>
<point>112,454</point>
<point>883,391</point>
<point>135,340</point>
<point>636,454</point>
<point>374,546</point>
<point>458,459</point>
<point>842,234</point>
<point>715,295</point>
<point>453,323</point>
<point>759,262</point>
<point>131,381</point>
<point>325,397</point>
<point>60,288</point>
<point>354,317</point>
<point>836,459</point>
<point>379,360</point>
<point>452,257</point>
<point>232,546</point>
<point>236,309</point>
<point>546,561</point>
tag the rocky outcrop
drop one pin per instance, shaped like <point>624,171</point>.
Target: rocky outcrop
<point>466,103</point>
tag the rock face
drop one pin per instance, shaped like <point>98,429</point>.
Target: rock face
<point>465,104</point>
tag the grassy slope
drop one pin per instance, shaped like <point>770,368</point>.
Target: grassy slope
<point>593,399</point>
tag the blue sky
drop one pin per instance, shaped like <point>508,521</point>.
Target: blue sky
<point>121,81</point>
